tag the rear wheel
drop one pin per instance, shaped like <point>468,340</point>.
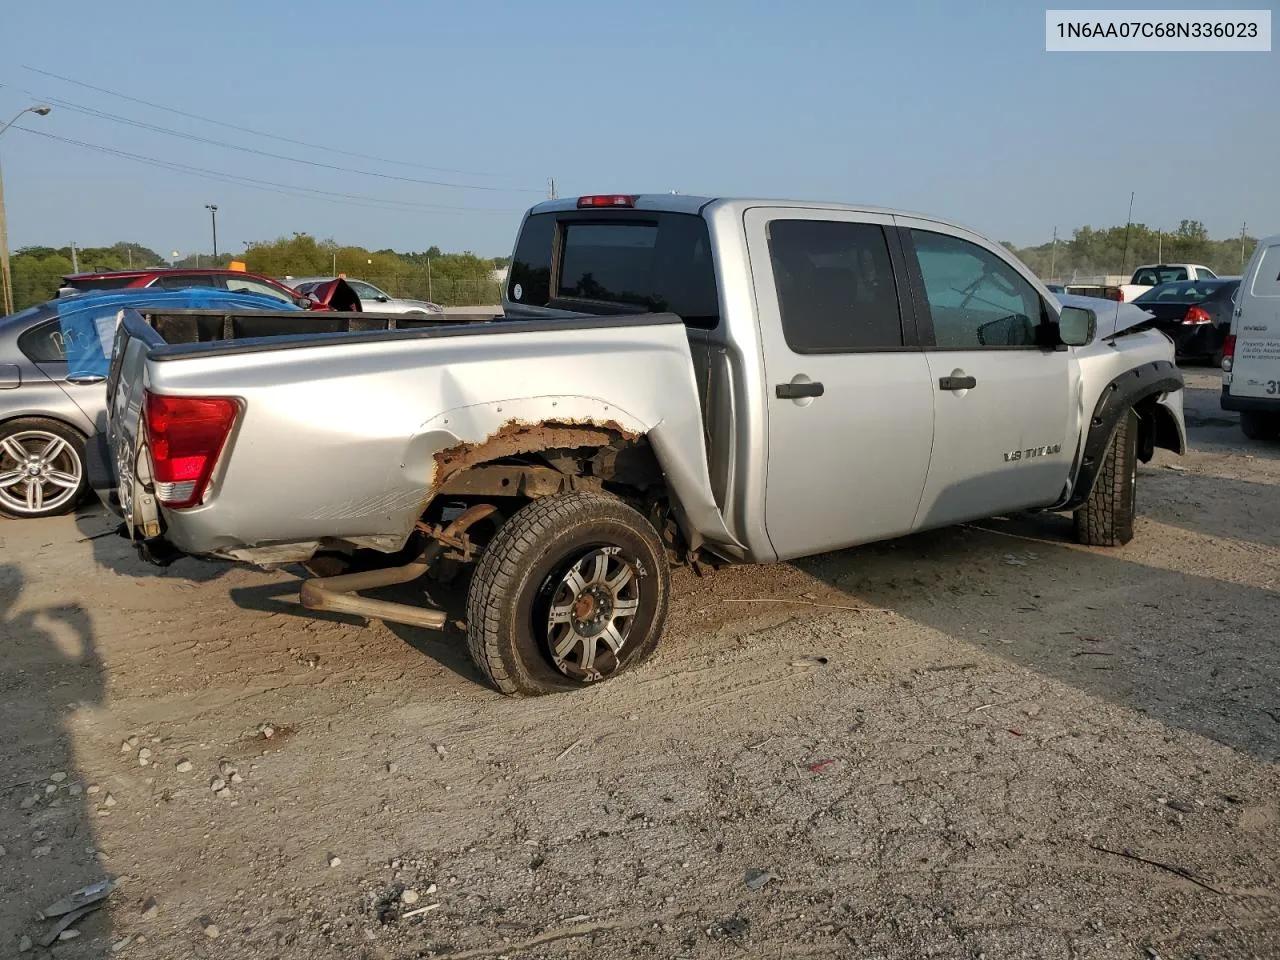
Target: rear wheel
<point>1260,426</point>
<point>1106,518</point>
<point>41,468</point>
<point>571,591</point>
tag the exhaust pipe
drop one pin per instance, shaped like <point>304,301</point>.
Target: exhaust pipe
<point>340,594</point>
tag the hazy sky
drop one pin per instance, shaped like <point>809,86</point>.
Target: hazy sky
<point>915,105</point>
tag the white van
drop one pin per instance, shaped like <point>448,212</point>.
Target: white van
<point>1251,355</point>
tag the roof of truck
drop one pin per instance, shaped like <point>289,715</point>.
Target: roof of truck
<point>684,203</point>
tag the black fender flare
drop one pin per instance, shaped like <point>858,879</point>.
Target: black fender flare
<point>1131,390</point>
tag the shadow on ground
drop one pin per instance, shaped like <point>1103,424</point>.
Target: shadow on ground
<point>49,669</point>
<point>1186,650</point>
<point>448,646</point>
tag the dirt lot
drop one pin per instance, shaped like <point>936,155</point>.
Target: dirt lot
<point>983,741</point>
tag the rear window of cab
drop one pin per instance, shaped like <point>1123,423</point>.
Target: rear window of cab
<point>648,262</point>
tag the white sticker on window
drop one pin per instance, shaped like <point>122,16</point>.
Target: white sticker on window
<point>517,291</point>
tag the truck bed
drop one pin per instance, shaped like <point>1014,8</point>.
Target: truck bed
<point>342,432</point>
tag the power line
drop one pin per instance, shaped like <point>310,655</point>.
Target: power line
<point>196,138</point>
<point>269,186</point>
<point>256,133</point>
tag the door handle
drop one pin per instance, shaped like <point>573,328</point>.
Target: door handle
<point>956,383</point>
<point>797,391</point>
<point>87,379</point>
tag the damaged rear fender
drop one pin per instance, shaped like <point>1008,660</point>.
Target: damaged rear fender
<point>465,436</point>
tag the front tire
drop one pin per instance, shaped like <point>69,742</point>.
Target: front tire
<point>1107,517</point>
<point>572,590</point>
<point>1260,426</point>
<point>42,470</point>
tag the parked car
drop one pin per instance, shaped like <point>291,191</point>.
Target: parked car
<point>372,299</point>
<point>1251,356</point>
<point>1056,288</point>
<point>53,370</point>
<point>1153,274</point>
<point>333,295</point>
<point>1196,315</point>
<point>676,378</point>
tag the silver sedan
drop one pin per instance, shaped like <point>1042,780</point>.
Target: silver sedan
<point>372,300</point>
<point>54,360</point>
<point>47,412</point>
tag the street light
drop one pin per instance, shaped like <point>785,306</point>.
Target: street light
<point>6,278</point>
<point>213,213</point>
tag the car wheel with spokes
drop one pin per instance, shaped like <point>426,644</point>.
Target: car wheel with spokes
<point>41,468</point>
<point>571,590</point>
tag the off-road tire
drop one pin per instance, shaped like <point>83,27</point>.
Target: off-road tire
<point>1260,426</point>
<point>1106,518</point>
<point>505,637</point>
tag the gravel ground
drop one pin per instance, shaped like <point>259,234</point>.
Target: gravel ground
<point>982,741</point>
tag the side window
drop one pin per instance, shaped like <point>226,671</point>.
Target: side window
<point>245,285</point>
<point>976,300</point>
<point>82,339</point>
<point>364,290</point>
<point>181,282</point>
<point>44,343</point>
<point>836,290</point>
<point>530,279</point>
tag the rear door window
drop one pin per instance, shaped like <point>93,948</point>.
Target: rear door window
<point>835,283</point>
<point>82,339</point>
<point>659,263</point>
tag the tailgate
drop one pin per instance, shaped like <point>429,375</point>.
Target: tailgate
<point>126,454</point>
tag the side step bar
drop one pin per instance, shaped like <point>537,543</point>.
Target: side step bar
<point>340,594</point>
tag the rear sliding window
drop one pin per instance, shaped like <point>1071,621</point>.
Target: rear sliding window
<point>655,263</point>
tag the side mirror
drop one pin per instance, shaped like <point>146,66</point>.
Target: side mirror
<point>306,303</point>
<point>382,298</point>
<point>1077,326</point>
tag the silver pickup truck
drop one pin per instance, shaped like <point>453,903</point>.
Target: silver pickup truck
<point>675,379</point>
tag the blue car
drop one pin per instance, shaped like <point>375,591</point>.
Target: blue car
<point>54,360</point>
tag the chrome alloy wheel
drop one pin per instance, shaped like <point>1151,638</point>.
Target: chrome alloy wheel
<point>593,604</point>
<point>39,472</point>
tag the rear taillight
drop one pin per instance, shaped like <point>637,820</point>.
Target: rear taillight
<point>186,435</point>
<point>607,200</point>
<point>1115,293</point>
<point>1197,315</point>
<point>1228,352</point>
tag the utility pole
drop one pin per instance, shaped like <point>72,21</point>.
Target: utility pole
<point>551,191</point>
<point>430,292</point>
<point>1053,256</point>
<point>1243,226</point>
<point>75,258</point>
<point>1124,257</point>
<point>6,277</point>
<point>1159,246</point>
<point>213,214</point>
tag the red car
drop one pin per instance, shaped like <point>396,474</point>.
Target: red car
<point>335,295</point>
